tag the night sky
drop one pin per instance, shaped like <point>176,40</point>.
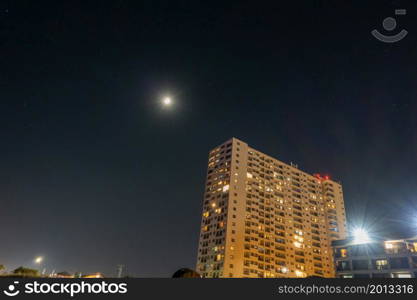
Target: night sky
<point>94,173</point>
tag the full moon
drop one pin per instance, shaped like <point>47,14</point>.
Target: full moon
<point>38,259</point>
<point>167,101</point>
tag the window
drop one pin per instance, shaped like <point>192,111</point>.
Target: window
<point>381,275</point>
<point>401,275</point>
<point>380,264</point>
<point>399,263</point>
<point>360,264</point>
<point>343,266</point>
<point>362,276</point>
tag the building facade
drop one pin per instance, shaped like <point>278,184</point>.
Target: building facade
<point>263,218</point>
<point>378,259</point>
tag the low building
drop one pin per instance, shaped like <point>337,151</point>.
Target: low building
<point>376,259</point>
<point>63,275</point>
<point>94,275</point>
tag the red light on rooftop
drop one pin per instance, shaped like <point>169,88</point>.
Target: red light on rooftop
<point>320,177</point>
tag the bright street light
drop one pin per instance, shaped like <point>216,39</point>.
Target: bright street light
<point>360,236</point>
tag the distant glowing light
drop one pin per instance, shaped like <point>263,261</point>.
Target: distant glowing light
<point>38,260</point>
<point>321,177</point>
<point>360,236</point>
<point>167,101</point>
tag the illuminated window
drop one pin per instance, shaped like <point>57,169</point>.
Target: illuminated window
<point>299,273</point>
<point>298,244</point>
<point>299,232</point>
<point>402,275</point>
<point>298,238</point>
<point>381,264</point>
<point>389,246</point>
<point>249,175</point>
<point>226,188</point>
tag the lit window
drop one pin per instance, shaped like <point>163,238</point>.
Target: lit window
<point>381,264</point>
<point>249,175</point>
<point>226,188</point>
<point>402,275</point>
<point>298,244</point>
<point>298,238</point>
<point>389,246</point>
<point>299,273</point>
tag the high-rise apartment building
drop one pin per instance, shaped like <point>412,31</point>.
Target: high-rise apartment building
<point>264,218</point>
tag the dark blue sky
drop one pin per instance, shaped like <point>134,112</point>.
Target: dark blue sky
<point>94,174</point>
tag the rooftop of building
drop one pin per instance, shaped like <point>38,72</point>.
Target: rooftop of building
<point>291,164</point>
<point>377,240</point>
